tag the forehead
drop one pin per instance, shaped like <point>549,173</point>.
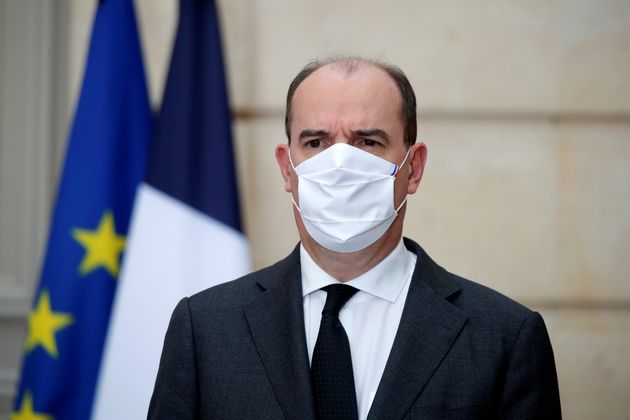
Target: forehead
<point>334,95</point>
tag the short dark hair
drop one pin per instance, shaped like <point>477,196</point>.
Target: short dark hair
<point>350,64</point>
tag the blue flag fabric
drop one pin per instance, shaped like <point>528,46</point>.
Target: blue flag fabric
<point>105,161</point>
<point>192,158</point>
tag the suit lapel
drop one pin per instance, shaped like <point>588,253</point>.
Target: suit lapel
<point>276,322</point>
<point>428,327</point>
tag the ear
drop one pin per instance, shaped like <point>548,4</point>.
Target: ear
<point>282,157</point>
<point>417,160</point>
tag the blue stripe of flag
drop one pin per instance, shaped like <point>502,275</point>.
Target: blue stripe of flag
<point>192,156</point>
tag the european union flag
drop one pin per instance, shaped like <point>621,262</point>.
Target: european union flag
<point>105,160</point>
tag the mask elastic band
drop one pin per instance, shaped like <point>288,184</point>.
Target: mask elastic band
<point>399,207</point>
<point>291,160</point>
<point>294,203</point>
<point>298,207</point>
<point>403,162</point>
<point>397,169</point>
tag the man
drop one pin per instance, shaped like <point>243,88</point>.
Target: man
<point>356,322</point>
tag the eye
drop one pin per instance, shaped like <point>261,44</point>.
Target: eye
<point>314,143</point>
<point>369,142</point>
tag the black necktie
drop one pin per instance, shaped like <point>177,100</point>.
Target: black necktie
<point>331,368</point>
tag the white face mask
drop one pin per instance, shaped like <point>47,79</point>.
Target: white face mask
<point>346,197</point>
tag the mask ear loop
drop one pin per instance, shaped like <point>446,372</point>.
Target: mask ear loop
<point>396,174</point>
<point>397,169</point>
<point>291,160</point>
<point>292,199</point>
<point>399,207</point>
<point>298,207</point>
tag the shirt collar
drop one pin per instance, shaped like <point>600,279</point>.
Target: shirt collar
<point>385,280</point>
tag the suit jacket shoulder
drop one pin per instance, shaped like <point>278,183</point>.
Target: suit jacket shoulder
<point>470,352</point>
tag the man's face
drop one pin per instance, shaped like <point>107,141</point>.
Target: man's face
<point>361,109</point>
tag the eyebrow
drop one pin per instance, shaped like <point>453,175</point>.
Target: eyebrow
<point>305,134</point>
<point>373,132</point>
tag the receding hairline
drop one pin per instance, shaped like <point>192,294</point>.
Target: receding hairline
<point>348,66</point>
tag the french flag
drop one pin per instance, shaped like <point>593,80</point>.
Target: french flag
<point>185,233</point>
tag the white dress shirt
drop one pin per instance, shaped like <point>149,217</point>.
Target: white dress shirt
<point>370,317</point>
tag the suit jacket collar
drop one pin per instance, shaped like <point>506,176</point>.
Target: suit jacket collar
<point>428,327</point>
<point>427,330</point>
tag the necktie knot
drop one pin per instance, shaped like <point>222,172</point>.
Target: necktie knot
<point>337,296</point>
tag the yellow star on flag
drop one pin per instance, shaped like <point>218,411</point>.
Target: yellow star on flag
<point>102,246</point>
<point>43,324</point>
<point>26,410</point>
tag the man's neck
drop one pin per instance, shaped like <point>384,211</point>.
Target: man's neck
<point>347,266</point>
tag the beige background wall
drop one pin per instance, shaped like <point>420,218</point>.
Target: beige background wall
<point>524,106</point>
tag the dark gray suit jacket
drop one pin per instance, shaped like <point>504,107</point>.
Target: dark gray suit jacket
<point>462,351</point>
